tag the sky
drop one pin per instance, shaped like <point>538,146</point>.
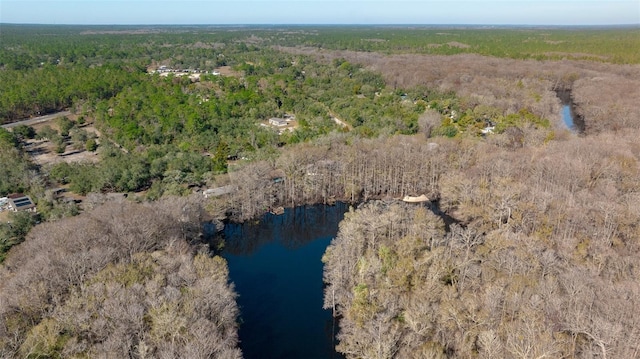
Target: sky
<point>430,12</point>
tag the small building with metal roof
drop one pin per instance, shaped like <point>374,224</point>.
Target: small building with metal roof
<point>20,202</point>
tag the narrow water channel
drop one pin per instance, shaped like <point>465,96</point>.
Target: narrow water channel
<point>275,265</point>
<point>567,118</point>
<point>570,119</point>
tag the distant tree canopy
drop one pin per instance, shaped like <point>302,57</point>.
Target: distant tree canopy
<point>53,88</point>
<point>602,45</point>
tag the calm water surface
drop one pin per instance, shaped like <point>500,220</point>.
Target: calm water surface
<point>276,267</point>
<point>567,117</point>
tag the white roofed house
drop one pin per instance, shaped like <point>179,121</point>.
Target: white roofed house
<point>279,122</point>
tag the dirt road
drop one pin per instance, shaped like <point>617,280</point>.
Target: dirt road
<point>35,120</point>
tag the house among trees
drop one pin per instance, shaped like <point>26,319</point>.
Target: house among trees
<point>279,122</point>
<point>20,202</point>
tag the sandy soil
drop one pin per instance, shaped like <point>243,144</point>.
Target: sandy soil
<point>227,71</point>
<point>42,152</point>
<point>43,155</point>
<point>4,216</point>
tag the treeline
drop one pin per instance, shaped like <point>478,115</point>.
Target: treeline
<point>27,47</point>
<point>338,167</point>
<point>125,280</point>
<point>105,43</point>
<point>542,263</point>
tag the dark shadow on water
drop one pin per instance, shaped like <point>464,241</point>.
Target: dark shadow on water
<point>294,228</point>
<point>434,206</point>
<point>275,265</point>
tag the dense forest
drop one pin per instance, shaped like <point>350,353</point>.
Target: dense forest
<point>539,259</point>
<point>527,247</point>
<point>121,280</point>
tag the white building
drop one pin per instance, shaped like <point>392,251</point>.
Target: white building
<point>279,122</point>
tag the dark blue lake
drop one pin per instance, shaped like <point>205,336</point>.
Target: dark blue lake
<point>275,264</point>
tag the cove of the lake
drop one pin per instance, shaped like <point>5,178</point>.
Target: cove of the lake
<point>275,265</point>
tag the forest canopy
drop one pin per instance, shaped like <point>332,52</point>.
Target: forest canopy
<point>119,281</point>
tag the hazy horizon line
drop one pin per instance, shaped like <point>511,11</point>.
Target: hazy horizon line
<point>326,24</point>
